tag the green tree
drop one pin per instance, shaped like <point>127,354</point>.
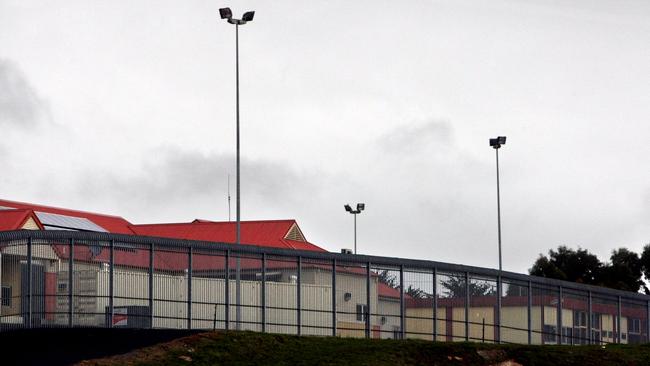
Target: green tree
<point>569,265</point>
<point>455,287</point>
<point>624,272</point>
<point>386,277</point>
<point>417,293</point>
<point>645,265</point>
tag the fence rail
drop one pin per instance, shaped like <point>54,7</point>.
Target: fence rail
<point>84,279</point>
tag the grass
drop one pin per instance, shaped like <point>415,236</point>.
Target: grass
<point>247,348</point>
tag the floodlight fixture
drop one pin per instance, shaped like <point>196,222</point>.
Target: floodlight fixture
<point>348,208</point>
<point>248,16</point>
<point>225,13</point>
<point>498,141</point>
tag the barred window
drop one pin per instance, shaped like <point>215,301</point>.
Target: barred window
<point>362,309</point>
<point>6,296</point>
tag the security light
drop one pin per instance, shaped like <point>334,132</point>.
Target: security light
<point>360,207</point>
<point>497,142</point>
<point>248,16</point>
<point>225,13</point>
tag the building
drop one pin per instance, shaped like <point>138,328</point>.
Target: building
<point>170,287</point>
<point>171,271</point>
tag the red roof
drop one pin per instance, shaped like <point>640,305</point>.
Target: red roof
<point>112,224</point>
<point>386,291</point>
<point>271,233</point>
<point>15,219</point>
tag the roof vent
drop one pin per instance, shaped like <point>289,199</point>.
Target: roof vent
<point>346,251</point>
<point>295,234</point>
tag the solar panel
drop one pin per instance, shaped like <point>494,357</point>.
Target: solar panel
<point>57,222</point>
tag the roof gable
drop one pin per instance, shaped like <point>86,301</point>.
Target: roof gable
<point>16,219</point>
<point>112,224</point>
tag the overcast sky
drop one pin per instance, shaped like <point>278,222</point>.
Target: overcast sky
<point>128,108</point>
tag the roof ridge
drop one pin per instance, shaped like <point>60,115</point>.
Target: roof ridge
<point>213,222</point>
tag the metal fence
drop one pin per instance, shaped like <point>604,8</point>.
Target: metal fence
<point>82,279</point>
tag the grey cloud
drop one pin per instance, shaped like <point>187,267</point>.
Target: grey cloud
<point>20,104</point>
<point>181,179</point>
<point>411,138</point>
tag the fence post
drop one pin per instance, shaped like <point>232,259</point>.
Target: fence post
<point>189,287</point>
<point>590,339</point>
<point>467,298</point>
<point>530,312</point>
<point>263,292</point>
<point>368,310</point>
<point>334,298</point>
<point>498,314</point>
<point>435,304</point>
<point>227,290</point>
<point>559,314</point>
<point>151,284</point>
<point>647,329</point>
<point>618,322</point>
<point>299,307</point>
<point>71,283</point>
<point>402,319</point>
<point>111,279</point>
<point>29,282</point>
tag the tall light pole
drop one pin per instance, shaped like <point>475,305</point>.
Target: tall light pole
<point>496,144</point>
<point>226,13</point>
<point>360,207</point>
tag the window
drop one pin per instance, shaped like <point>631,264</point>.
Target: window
<point>567,334</point>
<point>361,312</point>
<point>63,287</point>
<point>549,334</point>
<point>579,328</point>
<point>6,296</point>
<point>635,326</point>
<point>396,333</point>
<point>595,321</point>
<point>579,319</point>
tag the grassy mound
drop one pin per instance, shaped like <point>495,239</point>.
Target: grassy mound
<point>246,348</point>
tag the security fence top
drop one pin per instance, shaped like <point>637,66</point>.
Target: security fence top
<point>7,237</point>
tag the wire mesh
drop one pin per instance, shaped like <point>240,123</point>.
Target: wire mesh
<point>81,280</point>
<point>316,297</point>
<point>351,299</point>
<point>634,322</point>
<point>514,312</point>
<point>418,304</point>
<point>452,299</point>
<point>208,290</point>
<point>281,294</point>
<point>483,309</point>
<point>385,293</point>
<point>605,319</point>
<point>544,315</point>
